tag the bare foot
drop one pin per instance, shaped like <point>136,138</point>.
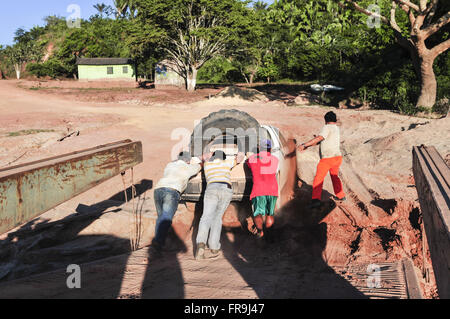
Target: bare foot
<point>269,221</point>
<point>259,222</point>
<point>253,229</point>
<point>250,225</point>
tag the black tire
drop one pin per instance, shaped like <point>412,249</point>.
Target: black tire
<point>223,120</point>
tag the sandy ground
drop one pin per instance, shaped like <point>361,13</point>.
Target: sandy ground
<point>380,222</point>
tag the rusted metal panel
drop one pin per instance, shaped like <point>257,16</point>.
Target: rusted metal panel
<point>28,190</point>
<point>412,285</point>
<point>432,177</point>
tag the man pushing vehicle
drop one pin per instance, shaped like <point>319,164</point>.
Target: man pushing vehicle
<point>264,193</point>
<point>330,159</point>
<point>168,193</point>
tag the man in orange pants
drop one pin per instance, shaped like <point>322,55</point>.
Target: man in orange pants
<point>330,159</point>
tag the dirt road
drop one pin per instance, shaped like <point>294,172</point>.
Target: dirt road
<point>380,222</point>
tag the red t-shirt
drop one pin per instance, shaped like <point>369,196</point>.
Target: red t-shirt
<point>264,170</point>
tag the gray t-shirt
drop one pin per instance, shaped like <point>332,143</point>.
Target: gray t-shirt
<point>330,146</point>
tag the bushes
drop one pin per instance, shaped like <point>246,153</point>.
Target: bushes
<point>442,106</point>
<point>397,87</point>
<point>52,68</point>
<point>442,70</point>
<point>269,69</point>
<point>219,70</point>
<point>97,38</point>
<point>396,90</point>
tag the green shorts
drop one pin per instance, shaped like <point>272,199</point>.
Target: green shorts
<point>264,205</point>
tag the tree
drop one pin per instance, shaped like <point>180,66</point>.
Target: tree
<point>2,61</point>
<point>123,6</point>
<point>254,43</point>
<point>422,23</point>
<point>100,7</point>
<point>18,55</point>
<point>269,70</point>
<point>259,6</point>
<point>190,32</point>
<point>25,49</point>
<point>310,38</point>
<point>97,38</point>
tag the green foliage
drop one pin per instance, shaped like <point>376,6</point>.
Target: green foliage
<point>442,106</point>
<point>387,88</point>
<point>188,32</point>
<point>28,132</point>
<point>97,37</point>
<point>219,70</point>
<point>292,40</point>
<point>442,71</point>
<point>52,68</point>
<point>268,69</point>
<point>391,82</point>
<point>26,48</point>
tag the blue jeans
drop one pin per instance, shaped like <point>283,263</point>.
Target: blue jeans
<point>217,198</point>
<point>166,202</point>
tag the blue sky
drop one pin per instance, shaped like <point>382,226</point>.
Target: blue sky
<point>25,14</point>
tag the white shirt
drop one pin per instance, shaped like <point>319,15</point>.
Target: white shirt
<point>177,174</point>
<point>330,146</point>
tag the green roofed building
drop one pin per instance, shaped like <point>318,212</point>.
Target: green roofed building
<point>106,69</point>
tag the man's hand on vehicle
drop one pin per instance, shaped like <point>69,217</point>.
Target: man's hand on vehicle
<point>206,156</point>
<point>316,140</point>
<point>301,147</point>
<point>240,157</point>
<point>195,160</point>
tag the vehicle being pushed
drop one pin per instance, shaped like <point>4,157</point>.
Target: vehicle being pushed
<point>234,131</point>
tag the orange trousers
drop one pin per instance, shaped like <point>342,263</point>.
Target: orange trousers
<point>326,165</point>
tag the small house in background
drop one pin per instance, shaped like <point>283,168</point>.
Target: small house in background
<point>106,69</point>
<point>165,75</point>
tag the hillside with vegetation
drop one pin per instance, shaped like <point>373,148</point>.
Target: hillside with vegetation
<point>391,57</point>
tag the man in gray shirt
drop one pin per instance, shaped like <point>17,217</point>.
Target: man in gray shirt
<point>330,159</point>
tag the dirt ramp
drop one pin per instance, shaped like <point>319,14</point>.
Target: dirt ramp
<point>239,93</point>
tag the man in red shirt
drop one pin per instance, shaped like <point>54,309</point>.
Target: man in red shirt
<point>264,193</point>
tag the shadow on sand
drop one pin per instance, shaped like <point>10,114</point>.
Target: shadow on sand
<point>288,262</point>
<point>164,277</point>
<point>37,248</point>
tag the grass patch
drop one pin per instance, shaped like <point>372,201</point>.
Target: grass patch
<point>292,82</point>
<point>28,132</point>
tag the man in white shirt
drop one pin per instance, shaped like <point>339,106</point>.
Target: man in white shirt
<point>330,159</point>
<point>168,193</point>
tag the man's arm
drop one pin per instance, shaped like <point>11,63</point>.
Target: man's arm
<point>240,157</point>
<point>205,157</point>
<point>195,165</point>
<point>316,140</point>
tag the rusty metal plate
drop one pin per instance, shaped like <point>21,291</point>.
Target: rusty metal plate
<point>29,190</point>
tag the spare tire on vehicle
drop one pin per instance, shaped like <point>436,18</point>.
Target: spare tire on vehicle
<point>225,122</point>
